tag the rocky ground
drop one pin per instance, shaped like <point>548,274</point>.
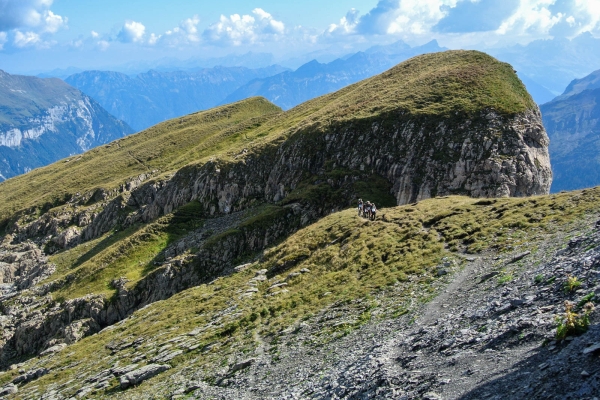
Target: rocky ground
<point>489,334</point>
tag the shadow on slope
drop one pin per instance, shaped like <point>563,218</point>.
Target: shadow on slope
<point>544,375</point>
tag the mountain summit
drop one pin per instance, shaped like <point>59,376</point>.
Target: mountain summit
<point>44,120</point>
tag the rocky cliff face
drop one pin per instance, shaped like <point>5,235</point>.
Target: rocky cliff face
<point>322,163</point>
<point>44,120</point>
<point>573,124</point>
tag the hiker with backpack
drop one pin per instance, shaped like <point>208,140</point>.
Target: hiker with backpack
<point>373,212</point>
<point>360,207</point>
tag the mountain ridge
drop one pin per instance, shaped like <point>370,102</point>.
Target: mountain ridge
<point>43,120</point>
<point>228,187</point>
<point>573,124</point>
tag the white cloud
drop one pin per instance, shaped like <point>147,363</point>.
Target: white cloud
<point>33,15</point>
<point>531,17</point>
<point>53,22</point>
<point>239,29</point>
<point>587,13</point>
<point>190,28</point>
<point>102,45</point>
<point>347,24</point>
<point>26,39</point>
<point>418,16</point>
<point>27,23</point>
<point>467,22</point>
<point>269,24</point>
<point>94,34</point>
<point>132,32</point>
<point>153,39</point>
<point>186,33</point>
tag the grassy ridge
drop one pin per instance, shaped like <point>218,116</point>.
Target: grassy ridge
<point>433,85</point>
<point>352,261</point>
<point>164,148</point>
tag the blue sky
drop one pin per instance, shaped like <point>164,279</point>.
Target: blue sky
<point>47,34</point>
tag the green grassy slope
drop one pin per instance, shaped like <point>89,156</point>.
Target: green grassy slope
<point>435,85</point>
<point>352,262</point>
<point>164,148</point>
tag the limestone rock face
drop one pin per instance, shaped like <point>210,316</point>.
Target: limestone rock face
<point>45,120</point>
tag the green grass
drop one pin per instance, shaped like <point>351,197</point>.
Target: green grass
<point>352,260</point>
<point>164,148</point>
<point>130,253</point>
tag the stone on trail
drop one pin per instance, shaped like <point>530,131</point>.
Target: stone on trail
<point>241,365</point>
<point>519,257</point>
<point>141,374</point>
<point>592,349</point>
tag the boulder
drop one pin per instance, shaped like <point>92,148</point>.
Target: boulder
<point>139,375</point>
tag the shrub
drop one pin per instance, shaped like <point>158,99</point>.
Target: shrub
<point>572,323</point>
<point>571,283</point>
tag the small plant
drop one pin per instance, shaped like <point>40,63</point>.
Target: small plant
<point>505,278</point>
<point>539,278</point>
<point>571,284</point>
<point>586,299</point>
<point>572,323</point>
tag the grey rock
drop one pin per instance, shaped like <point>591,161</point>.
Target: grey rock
<point>242,267</point>
<point>118,371</point>
<point>83,392</point>
<point>137,376</point>
<point>516,302</point>
<point>30,375</point>
<point>6,390</point>
<point>53,349</point>
<point>592,349</point>
<point>166,356</point>
<point>241,365</point>
<point>519,257</point>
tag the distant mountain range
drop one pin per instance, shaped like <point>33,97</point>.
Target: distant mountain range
<point>44,120</point>
<point>553,63</point>
<point>148,98</point>
<point>572,121</point>
<point>152,97</point>
<point>314,79</point>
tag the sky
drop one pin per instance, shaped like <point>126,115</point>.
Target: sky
<point>41,35</point>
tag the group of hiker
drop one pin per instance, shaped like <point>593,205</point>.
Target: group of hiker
<point>367,210</point>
